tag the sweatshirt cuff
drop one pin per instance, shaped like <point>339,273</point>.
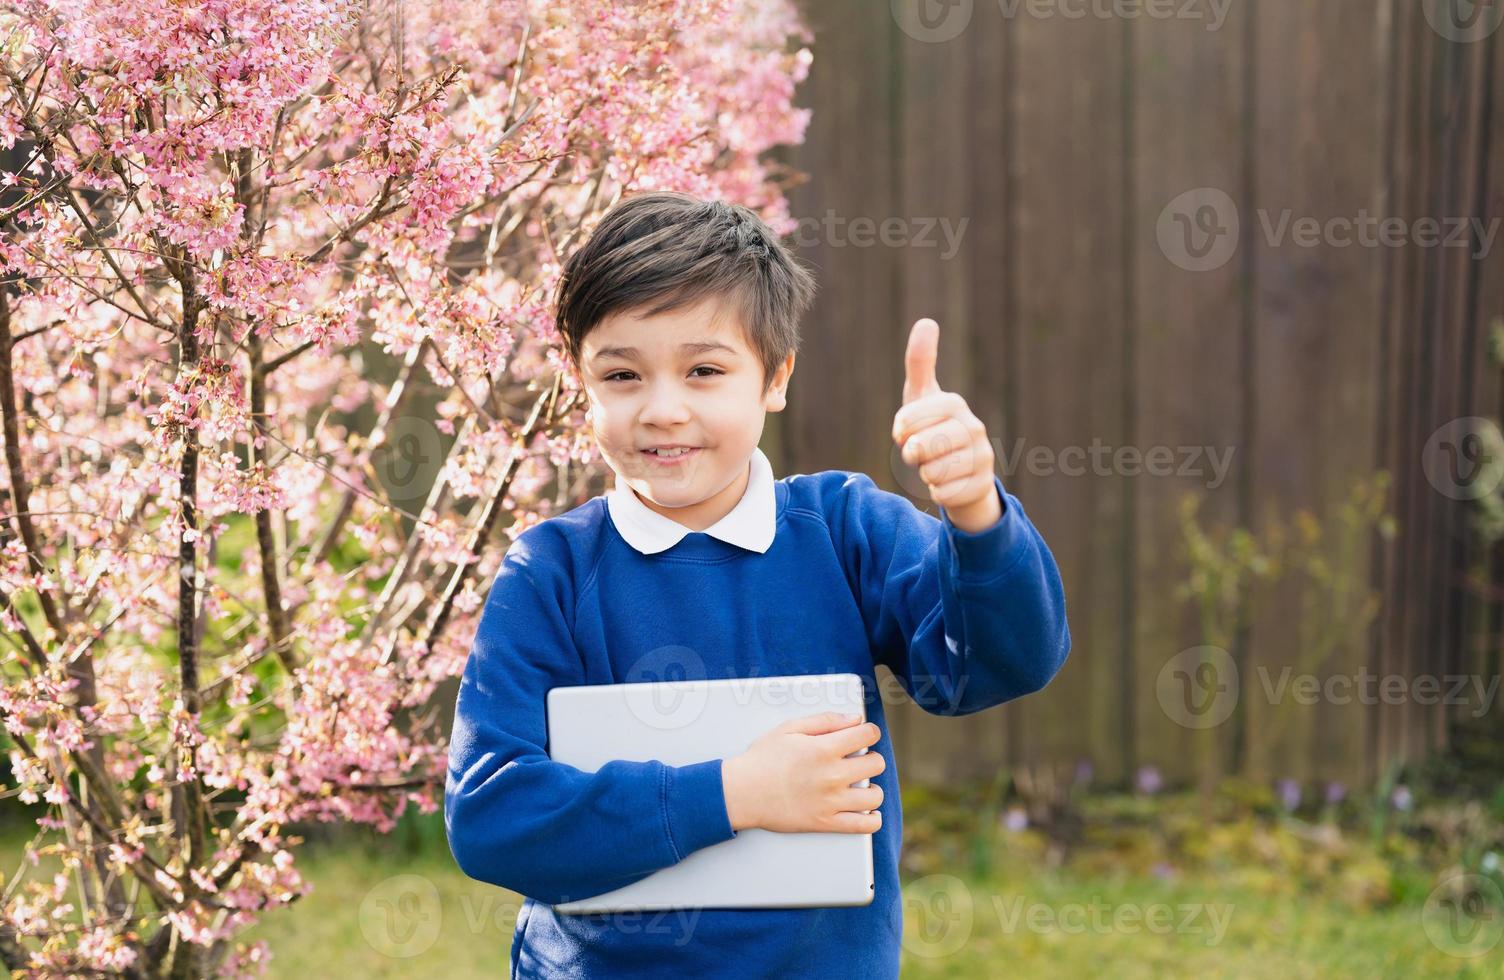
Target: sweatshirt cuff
<point>979,557</point>
<point>694,800</point>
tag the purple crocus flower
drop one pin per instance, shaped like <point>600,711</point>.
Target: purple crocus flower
<point>1016,819</point>
<point>1083,772</point>
<point>1335,793</point>
<point>1401,798</point>
<point>1148,780</point>
<point>1289,793</point>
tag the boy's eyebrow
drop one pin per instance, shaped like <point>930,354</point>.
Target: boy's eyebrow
<point>692,347</point>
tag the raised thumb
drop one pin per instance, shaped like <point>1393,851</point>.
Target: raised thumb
<point>919,361</point>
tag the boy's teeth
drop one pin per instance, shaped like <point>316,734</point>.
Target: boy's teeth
<point>668,452</point>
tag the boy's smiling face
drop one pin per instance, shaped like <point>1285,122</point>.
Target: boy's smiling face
<point>683,378</point>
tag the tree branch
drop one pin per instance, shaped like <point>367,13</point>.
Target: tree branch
<point>20,492</point>
<point>271,587</point>
<point>188,360</point>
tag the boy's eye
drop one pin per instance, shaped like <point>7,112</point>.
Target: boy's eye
<point>623,375</point>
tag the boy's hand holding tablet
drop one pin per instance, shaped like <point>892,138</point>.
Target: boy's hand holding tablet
<point>797,778</point>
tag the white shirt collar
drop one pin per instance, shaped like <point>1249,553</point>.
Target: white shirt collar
<point>750,524</point>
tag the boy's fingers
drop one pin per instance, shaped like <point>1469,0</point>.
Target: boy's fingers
<point>865,766</point>
<point>829,721</point>
<point>941,470</point>
<point>962,490</point>
<point>935,441</point>
<point>851,822</point>
<point>919,360</point>
<point>855,738</point>
<point>929,410</point>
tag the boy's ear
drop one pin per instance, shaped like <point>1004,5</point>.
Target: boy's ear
<point>776,398</point>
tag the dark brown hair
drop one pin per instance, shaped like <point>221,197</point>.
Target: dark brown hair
<point>658,251</point>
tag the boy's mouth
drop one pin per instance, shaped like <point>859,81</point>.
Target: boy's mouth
<point>669,455</point>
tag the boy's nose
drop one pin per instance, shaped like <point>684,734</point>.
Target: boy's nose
<point>666,405</point>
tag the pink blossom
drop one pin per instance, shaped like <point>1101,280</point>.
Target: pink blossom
<point>315,226</point>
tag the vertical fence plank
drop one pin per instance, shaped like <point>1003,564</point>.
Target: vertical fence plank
<point>1436,332</point>
<point>844,382</point>
<point>1070,351</point>
<point>1488,312</point>
<point>1318,130</point>
<point>1474,271</point>
<point>990,270</point>
<point>938,106</point>
<point>849,155</point>
<point>1402,323</point>
<point>1190,319</point>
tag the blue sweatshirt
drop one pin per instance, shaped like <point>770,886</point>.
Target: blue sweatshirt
<point>855,576</point>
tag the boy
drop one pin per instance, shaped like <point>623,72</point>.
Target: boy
<point>680,319</point>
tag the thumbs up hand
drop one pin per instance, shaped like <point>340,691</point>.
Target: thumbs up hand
<point>938,433</point>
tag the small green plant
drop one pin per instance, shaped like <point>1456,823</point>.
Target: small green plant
<point>1234,575</point>
<point>1488,509</point>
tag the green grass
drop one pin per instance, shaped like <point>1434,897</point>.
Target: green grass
<point>1080,926</point>
<point>1043,924</point>
<point>379,911</point>
<point>397,906</point>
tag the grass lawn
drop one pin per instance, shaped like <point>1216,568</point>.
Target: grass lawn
<point>377,911</point>
<point>397,906</point>
<point>379,914</point>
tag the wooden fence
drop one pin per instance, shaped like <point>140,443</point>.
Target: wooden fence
<point>1083,304</point>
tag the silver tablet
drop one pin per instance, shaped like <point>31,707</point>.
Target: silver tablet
<point>684,722</point>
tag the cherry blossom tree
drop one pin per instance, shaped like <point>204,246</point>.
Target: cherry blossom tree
<point>257,254</point>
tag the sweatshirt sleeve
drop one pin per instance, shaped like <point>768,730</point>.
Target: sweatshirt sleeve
<point>964,620</point>
<point>547,830</point>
